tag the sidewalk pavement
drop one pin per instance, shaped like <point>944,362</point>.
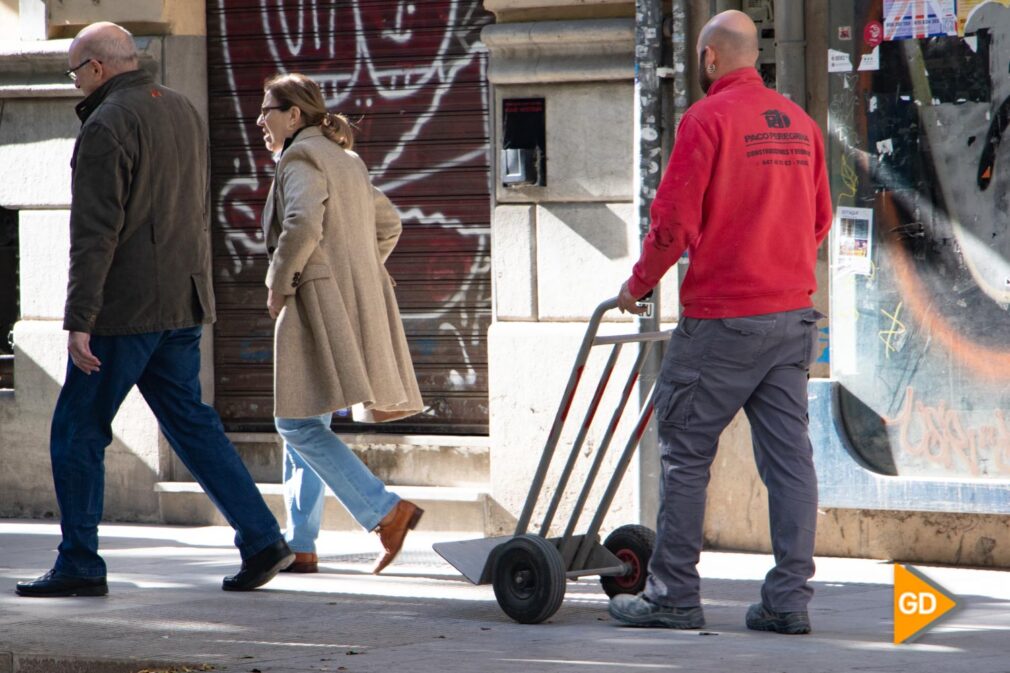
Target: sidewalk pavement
<point>166,612</point>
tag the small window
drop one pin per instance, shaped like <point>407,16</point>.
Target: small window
<point>10,309</point>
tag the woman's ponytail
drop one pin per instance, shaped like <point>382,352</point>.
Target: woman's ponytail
<point>339,129</point>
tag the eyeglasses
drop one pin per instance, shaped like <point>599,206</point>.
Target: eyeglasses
<point>267,108</point>
<point>72,73</point>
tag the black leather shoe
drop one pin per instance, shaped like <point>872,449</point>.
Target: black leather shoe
<point>58,585</point>
<point>260,568</point>
<point>760,618</point>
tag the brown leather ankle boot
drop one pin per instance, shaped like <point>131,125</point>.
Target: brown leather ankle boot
<point>393,529</point>
<point>305,562</point>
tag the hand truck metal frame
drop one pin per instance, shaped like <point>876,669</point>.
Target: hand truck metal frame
<point>529,570</point>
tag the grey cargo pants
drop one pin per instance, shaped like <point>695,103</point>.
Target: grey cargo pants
<point>712,369</point>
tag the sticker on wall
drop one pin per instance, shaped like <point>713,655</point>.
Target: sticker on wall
<point>913,19</point>
<point>844,33</point>
<point>838,61</point>
<point>870,61</point>
<point>855,242</point>
<point>873,33</point>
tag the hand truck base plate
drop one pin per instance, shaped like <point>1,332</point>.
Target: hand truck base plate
<point>473,558</point>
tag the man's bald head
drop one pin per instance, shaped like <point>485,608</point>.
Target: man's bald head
<point>733,35</point>
<point>100,52</point>
<point>106,42</point>
<point>728,41</point>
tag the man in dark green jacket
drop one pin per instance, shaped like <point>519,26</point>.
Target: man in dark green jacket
<point>139,292</point>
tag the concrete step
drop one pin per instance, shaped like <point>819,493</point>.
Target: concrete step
<point>446,508</point>
<point>405,460</point>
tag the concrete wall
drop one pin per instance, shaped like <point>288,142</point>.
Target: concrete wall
<point>562,249</point>
<point>36,141</point>
<point>9,19</point>
<point>143,17</point>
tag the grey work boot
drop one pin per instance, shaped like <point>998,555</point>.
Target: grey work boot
<point>760,618</point>
<point>640,611</point>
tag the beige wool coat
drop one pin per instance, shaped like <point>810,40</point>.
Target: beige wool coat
<point>338,341</point>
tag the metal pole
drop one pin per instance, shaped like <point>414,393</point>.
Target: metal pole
<point>681,55</point>
<point>790,51</point>
<point>648,52</point>
<point>648,170</point>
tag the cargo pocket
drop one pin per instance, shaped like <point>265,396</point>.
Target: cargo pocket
<point>675,397</point>
<point>812,335</point>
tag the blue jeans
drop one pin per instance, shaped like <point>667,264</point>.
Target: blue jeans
<point>314,456</point>
<point>165,366</point>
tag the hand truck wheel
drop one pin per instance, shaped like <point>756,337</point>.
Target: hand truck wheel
<point>529,578</point>
<point>633,545</point>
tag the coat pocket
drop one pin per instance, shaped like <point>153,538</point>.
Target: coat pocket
<point>313,272</point>
<point>675,397</point>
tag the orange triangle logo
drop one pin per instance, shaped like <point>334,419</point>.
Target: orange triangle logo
<point>919,603</point>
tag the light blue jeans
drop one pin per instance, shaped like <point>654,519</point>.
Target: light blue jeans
<point>313,457</point>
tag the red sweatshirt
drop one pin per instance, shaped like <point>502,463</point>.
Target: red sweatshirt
<point>746,194</point>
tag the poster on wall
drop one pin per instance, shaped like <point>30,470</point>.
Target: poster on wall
<point>855,240</point>
<point>913,19</point>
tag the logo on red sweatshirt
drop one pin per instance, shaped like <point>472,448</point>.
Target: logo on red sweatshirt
<point>776,119</point>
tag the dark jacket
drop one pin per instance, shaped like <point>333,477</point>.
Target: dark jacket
<point>139,238</point>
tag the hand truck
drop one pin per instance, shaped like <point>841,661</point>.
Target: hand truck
<point>529,570</point>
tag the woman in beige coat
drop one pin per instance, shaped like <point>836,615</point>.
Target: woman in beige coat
<point>338,341</point>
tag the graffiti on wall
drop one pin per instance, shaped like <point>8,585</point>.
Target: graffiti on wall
<point>919,335</point>
<point>410,75</point>
<point>943,436</point>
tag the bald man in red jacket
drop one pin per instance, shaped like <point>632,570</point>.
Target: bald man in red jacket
<point>746,195</point>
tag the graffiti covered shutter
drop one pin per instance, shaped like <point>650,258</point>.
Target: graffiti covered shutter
<point>411,76</point>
